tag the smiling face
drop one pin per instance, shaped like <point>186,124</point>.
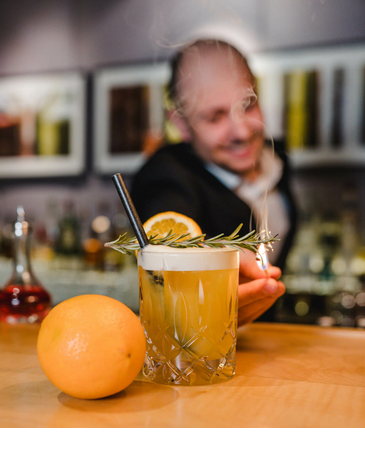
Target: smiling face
<point>219,106</point>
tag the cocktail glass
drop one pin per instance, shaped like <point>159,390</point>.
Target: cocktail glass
<point>188,309</point>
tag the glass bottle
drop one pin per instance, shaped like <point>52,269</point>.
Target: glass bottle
<point>23,299</point>
<point>69,239</point>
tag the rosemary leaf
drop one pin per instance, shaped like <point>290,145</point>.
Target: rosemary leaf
<point>250,241</point>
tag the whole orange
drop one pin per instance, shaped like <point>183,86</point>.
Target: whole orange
<point>91,346</point>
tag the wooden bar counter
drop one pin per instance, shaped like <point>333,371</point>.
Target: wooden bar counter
<point>287,376</point>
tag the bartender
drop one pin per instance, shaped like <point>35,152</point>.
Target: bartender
<point>224,173</point>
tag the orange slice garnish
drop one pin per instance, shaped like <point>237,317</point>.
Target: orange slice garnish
<point>162,223</point>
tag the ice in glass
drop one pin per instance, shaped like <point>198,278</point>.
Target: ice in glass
<point>188,309</point>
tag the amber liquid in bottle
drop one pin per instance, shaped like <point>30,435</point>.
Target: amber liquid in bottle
<point>23,299</point>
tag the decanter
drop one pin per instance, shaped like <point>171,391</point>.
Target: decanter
<point>23,299</point>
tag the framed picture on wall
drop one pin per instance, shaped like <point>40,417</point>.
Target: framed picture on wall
<point>42,125</point>
<point>314,98</point>
<point>128,115</point>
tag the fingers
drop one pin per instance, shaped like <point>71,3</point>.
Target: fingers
<point>249,270</point>
<point>259,289</point>
<point>244,319</point>
<point>255,297</point>
<point>274,272</point>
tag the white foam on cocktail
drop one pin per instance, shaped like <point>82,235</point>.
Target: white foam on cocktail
<point>162,257</point>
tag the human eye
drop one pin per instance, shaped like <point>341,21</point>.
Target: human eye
<point>215,117</point>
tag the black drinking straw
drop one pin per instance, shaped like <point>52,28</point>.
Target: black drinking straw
<point>130,210</point>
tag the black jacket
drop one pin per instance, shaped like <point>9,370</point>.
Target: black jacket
<point>175,179</point>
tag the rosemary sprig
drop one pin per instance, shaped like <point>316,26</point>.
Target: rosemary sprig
<point>250,241</point>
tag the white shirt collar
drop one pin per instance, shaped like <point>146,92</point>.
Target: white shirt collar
<point>272,169</point>
<point>229,179</point>
<point>261,196</point>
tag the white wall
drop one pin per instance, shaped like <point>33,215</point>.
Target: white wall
<point>42,35</point>
<point>46,35</point>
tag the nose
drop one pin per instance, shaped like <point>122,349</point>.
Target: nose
<point>240,126</point>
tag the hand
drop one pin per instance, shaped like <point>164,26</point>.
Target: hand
<point>256,292</point>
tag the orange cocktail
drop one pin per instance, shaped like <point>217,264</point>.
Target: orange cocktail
<point>188,309</point>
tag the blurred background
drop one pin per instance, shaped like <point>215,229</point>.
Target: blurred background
<point>71,71</point>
